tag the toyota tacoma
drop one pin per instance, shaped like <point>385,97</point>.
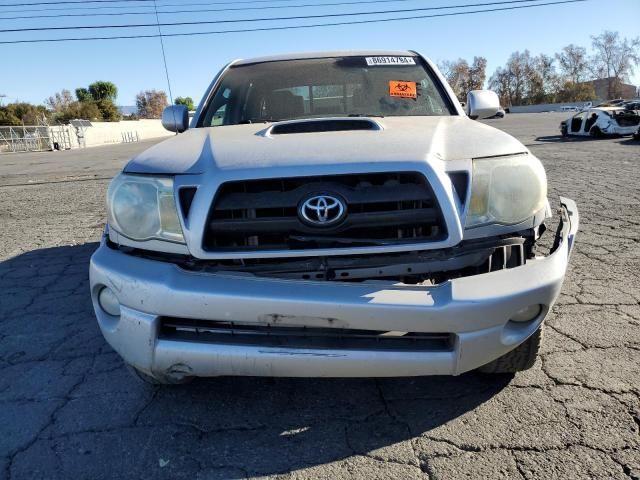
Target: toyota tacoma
<point>329,215</point>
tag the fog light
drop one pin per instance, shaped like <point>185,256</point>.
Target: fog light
<point>527,313</point>
<point>108,302</point>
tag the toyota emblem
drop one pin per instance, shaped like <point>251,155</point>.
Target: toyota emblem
<point>322,210</point>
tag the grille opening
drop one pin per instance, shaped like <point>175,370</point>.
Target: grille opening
<point>434,267</point>
<point>212,331</point>
<point>382,209</point>
<point>426,268</point>
<point>314,126</point>
<point>460,181</point>
<point>186,195</point>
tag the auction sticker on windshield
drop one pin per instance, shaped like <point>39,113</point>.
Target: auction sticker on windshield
<point>402,89</point>
<point>382,61</point>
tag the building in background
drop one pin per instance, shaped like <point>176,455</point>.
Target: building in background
<point>610,88</point>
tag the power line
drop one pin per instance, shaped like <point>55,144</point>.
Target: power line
<point>123,1</point>
<point>262,7</point>
<point>70,1</point>
<point>164,56</point>
<point>291,27</point>
<point>252,20</point>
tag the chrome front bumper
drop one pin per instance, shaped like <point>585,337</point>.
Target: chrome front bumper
<point>475,309</point>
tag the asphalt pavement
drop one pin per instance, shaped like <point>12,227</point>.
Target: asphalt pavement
<point>70,410</point>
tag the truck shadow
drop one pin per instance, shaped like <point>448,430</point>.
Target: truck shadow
<point>246,426</point>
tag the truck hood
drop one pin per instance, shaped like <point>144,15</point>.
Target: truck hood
<point>401,139</point>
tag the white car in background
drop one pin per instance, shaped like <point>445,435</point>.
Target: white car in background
<point>598,122</point>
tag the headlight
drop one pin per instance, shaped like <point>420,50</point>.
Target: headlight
<point>506,190</point>
<point>144,208</point>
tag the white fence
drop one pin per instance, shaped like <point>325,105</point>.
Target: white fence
<point>64,137</point>
<point>550,107</point>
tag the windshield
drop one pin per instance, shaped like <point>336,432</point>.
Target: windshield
<point>326,87</point>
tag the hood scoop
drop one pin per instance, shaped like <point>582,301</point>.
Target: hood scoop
<point>323,125</point>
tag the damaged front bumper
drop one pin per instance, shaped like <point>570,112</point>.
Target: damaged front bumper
<point>474,312</point>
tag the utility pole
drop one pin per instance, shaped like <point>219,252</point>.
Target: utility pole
<point>1,97</point>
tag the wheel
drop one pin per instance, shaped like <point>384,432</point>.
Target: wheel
<point>636,136</point>
<point>595,132</point>
<point>521,358</point>
<point>564,131</point>
<point>156,379</point>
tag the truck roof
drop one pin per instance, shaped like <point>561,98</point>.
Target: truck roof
<point>327,54</point>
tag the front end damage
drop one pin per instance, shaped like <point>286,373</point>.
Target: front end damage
<point>420,313</point>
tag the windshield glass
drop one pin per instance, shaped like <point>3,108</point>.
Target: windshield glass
<point>326,87</point>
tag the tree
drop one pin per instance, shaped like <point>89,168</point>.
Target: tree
<point>614,59</point>
<point>464,78</point>
<point>575,92</point>
<point>512,83</point>
<point>83,95</point>
<point>150,103</point>
<point>59,101</point>
<point>21,113</point>
<point>186,101</point>
<point>573,63</point>
<point>500,83</point>
<point>543,80</point>
<point>108,110</point>
<point>101,90</point>
<point>526,80</point>
<point>87,110</point>
<point>101,95</point>
<point>457,74</point>
<point>477,74</point>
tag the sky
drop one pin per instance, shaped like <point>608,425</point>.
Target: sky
<point>32,72</point>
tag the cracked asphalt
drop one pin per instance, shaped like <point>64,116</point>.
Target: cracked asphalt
<point>70,410</point>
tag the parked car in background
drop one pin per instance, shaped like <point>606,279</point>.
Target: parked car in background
<point>632,105</point>
<point>601,121</point>
<point>329,215</point>
<point>612,103</point>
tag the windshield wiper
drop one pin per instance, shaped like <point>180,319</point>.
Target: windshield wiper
<point>365,115</point>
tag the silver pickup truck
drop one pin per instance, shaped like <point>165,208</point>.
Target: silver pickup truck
<point>329,215</point>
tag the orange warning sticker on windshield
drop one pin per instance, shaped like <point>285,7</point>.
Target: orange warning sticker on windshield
<point>399,88</point>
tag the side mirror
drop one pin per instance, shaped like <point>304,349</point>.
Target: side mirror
<point>175,118</point>
<point>482,104</point>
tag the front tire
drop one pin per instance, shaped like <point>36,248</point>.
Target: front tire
<point>595,132</point>
<point>521,358</point>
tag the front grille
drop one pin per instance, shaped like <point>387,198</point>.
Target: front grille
<point>382,209</point>
<point>222,332</point>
